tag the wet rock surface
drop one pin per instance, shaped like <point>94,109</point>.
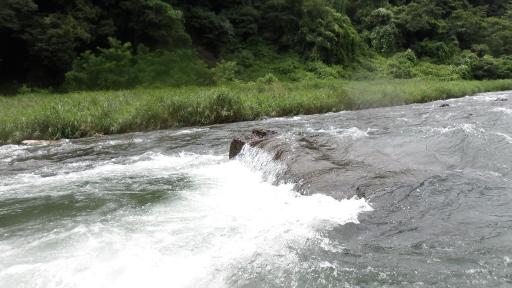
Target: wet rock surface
<point>322,165</point>
<point>257,136</point>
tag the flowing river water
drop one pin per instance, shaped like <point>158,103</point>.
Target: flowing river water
<point>168,209</point>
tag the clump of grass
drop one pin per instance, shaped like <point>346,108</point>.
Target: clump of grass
<point>83,114</point>
<point>381,93</point>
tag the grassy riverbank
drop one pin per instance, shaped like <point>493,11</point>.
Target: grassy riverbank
<point>55,116</point>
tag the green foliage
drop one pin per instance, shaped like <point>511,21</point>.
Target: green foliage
<point>443,72</point>
<point>244,19</point>
<point>435,50</point>
<point>486,68</point>
<point>480,49</point>
<point>46,37</point>
<point>13,12</point>
<point>379,17</point>
<point>83,114</point>
<point>112,69</point>
<point>499,36</point>
<point>401,65</point>
<point>381,33</point>
<point>467,58</point>
<point>170,68</point>
<point>228,107</point>
<point>209,30</point>
<point>225,72</point>
<point>267,79</point>
<point>468,26</point>
<point>325,35</point>
<point>322,71</point>
<point>118,68</point>
<point>278,20</point>
<point>385,40</point>
<point>405,65</point>
<point>295,40</point>
<point>420,15</point>
<point>154,23</point>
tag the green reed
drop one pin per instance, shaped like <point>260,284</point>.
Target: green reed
<point>84,114</point>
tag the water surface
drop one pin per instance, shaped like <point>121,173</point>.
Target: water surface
<point>168,209</point>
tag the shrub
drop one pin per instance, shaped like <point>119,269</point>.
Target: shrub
<point>224,72</point>
<point>385,40</point>
<point>323,71</point>
<point>486,68</point>
<point>119,68</point>
<point>267,79</point>
<point>170,69</point>
<point>401,65</point>
<point>442,72</point>
<point>435,50</point>
<point>326,36</point>
<point>227,107</point>
<point>112,69</point>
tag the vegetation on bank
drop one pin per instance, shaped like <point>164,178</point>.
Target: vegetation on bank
<point>86,45</point>
<point>78,68</point>
<point>83,114</point>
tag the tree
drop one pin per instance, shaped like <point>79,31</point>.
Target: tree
<point>152,22</point>
<point>498,36</point>
<point>468,26</point>
<point>244,19</point>
<point>494,8</point>
<point>210,31</point>
<point>325,35</point>
<point>382,34</point>
<point>15,16</point>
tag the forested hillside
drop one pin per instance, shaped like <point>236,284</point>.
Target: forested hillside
<point>120,44</point>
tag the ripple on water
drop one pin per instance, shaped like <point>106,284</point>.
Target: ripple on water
<point>134,213</point>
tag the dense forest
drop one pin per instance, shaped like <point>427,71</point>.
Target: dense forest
<point>83,45</point>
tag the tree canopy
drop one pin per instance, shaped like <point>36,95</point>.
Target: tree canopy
<point>59,44</point>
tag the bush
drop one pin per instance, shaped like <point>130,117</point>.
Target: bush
<point>385,40</point>
<point>118,68</point>
<point>401,65</point>
<point>227,107</point>
<point>443,72</point>
<point>224,72</point>
<point>322,71</point>
<point>112,69</point>
<point>486,68</point>
<point>170,69</point>
<point>267,79</point>
<point>326,36</point>
<point>467,58</point>
<point>438,51</point>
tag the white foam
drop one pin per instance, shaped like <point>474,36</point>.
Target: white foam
<point>10,152</point>
<point>190,131</point>
<point>147,165</point>
<point>231,221</point>
<point>490,96</point>
<point>502,110</point>
<point>483,97</point>
<point>465,127</point>
<point>507,138</point>
<point>353,133</point>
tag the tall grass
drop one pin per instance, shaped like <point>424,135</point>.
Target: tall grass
<point>84,114</point>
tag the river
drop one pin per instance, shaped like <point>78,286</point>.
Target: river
<point>168,209</point>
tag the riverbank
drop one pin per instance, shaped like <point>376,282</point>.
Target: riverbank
<point>85,114</point>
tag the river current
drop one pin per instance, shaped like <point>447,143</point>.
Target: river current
<point>168,209</point>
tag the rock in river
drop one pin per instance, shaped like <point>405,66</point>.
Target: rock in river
<point>321,165</point>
